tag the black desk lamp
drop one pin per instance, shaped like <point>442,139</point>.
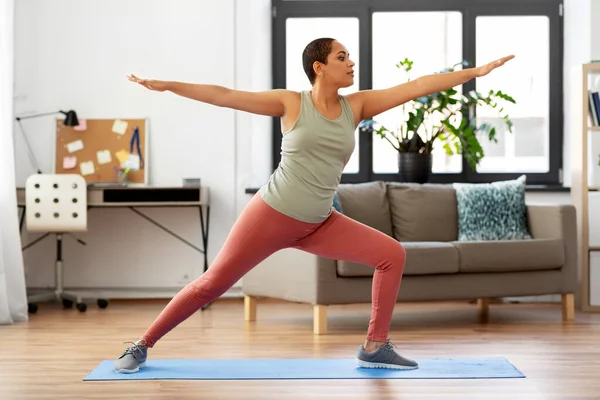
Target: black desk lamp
<point>70,120</point>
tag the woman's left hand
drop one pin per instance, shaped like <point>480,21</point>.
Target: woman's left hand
<point>487,68</point>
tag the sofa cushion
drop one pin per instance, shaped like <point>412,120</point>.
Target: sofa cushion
<point>424,212</point>
<point>367,203</point>
<point>422,258</point>
<point>492,211</point>
<point>510,255</point>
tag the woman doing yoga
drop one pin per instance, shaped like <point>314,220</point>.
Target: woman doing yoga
<point>294,208</point>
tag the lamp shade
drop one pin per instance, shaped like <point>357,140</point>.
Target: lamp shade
<point>71,118</point>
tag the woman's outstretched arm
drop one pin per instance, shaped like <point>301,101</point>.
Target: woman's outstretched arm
<point>270,102</point>
<point>374,102</point>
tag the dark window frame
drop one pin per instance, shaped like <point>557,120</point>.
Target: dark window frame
<point>471,9</point>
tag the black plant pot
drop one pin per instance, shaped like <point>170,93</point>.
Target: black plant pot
<point>414,167</point>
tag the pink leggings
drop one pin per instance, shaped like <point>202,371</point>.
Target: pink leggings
<point>260,231</point>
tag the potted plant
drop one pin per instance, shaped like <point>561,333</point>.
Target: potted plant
<point>444,118</point>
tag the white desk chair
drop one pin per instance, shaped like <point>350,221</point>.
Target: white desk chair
<point>56,204</point>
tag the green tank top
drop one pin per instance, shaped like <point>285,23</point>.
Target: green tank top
<point>314,152</point>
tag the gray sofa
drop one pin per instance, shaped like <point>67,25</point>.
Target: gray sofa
<point>424,219</point>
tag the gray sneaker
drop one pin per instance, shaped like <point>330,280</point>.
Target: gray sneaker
<point>384,357</point>
<point>132,359</point>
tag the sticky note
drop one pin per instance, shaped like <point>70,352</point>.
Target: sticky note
<point>119,127</point>
<point>75,146</point>
<point>87,168</point>
<point>69,162</point>
<point>103,157</point>
<point>133,162</point>
<point>122,156</point>
<point>82,125</point>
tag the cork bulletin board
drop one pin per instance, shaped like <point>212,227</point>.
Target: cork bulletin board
<point>102,149</point>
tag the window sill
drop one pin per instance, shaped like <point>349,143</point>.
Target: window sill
<point>547,188</point>
<point>528,188</point>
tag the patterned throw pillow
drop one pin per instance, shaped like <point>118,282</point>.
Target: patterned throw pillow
<point>492,211</point>
<point>337,205</point>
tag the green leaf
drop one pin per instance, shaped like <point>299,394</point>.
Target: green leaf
<point>448,149</point>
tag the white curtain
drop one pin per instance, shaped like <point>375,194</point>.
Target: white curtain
<point>13,296</point>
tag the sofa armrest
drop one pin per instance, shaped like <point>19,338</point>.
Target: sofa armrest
<point>557,221</point>
<point>293,275</point>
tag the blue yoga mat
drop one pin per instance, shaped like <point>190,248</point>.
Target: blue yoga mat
<point>431,368</point>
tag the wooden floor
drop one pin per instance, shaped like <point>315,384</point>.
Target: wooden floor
<point>48,357</point>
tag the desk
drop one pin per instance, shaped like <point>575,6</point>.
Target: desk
<point>138,196</point>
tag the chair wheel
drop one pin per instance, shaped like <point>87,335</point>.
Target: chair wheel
<point>67,303</point>
<point>102,303</point>
<point>32,308</point>
<point>81,307</point>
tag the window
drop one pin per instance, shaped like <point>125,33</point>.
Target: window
<point>436,34</point>
<point>390,30</point>
<point>526,79</point>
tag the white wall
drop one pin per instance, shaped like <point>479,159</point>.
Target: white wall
<point>595,29</point>
<point>577,39</point>
<point>253,72</point>
<point>76,54</point>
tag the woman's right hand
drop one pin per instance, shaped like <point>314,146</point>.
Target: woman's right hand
<point>159,86</point>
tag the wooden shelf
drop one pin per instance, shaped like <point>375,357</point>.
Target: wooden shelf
<point>580,190</point>
<point>591,67</point>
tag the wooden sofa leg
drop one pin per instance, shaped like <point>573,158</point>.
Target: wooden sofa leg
<point>319,319</point>
<point>568,307</point>
<point>249,308</point>
<point>483,308</point>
